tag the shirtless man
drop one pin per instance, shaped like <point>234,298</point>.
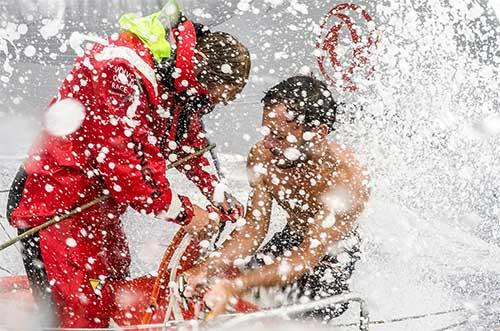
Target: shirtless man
<point>317,182</point>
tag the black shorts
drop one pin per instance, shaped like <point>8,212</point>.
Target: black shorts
<point>330,277</point>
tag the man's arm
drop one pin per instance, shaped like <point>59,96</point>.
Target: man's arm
<point>284,270</point>
<point>246,239</point>
<point>330,225</point>
<point>309,253</point>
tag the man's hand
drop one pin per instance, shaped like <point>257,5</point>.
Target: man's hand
<point>202,226</point>
<point>219,297</point>
<point>230,208</point>
<point>195,279</point>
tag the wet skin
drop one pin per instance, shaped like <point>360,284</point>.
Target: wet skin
<point>304,185</point>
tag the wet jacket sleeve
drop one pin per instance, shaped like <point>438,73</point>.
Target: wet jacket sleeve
<point>126,155</point>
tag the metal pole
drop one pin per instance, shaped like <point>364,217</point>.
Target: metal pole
<point>218,169</point>
<point>294,309</point>
<point>364,316</point>
<point>213,154</point>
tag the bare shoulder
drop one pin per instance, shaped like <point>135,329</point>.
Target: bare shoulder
<point>344,156</point>
<point>352,175</point>
<point>258,153</point>
<point>347,160</point>
<point>258,161</point>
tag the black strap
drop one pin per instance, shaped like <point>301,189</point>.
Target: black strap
<point>38,279</point>
<point>16,191</point>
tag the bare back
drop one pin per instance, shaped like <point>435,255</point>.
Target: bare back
<point>303,190</point>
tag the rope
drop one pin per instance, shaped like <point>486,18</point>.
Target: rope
<point>162,270</point>
<point>173,306</point>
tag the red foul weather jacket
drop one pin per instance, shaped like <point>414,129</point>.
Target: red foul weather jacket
<point>122,146</point>
<point>134,124</point>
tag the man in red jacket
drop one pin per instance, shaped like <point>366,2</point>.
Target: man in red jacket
<point>141,107</point>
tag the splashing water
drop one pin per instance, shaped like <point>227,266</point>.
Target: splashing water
<point>426,128</point>
<point>431,166</point>
<point>64,117</point>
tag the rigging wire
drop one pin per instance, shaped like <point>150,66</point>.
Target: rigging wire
<point>7,233</point>
<point>408,318</point>
<point>452,326</point>
<point>8,236</point>
<point>6,270</point>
